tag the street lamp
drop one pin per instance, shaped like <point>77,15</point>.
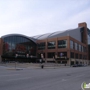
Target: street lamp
<point>15,59</point>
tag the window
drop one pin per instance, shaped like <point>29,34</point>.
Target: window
<point>72,55</point>
<point>80,56</point>
<point>75,46</point>
<point>51,55</point>
<point>41,46</point>
<point>71,44</point>
<point>79,47</point>
<point>82,49</point>
<point>76,56</point>
<point>85,56</point>
<point>62,54</point>
<point>62,43</point>
<point>51,45</point>
<point>85,49</point>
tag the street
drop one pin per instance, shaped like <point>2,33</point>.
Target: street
<point>44,79</point>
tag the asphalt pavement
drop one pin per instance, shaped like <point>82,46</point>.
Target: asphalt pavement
<point>44,79</point>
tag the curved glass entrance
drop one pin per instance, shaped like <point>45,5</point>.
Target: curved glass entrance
<point>18,45</point>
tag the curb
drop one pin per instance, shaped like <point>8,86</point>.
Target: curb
<point>14,69</point>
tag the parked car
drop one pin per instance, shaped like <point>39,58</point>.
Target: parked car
<point>80,65</point>
<point>77,65</point>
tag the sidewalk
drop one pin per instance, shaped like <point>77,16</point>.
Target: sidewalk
<point>32,65</point>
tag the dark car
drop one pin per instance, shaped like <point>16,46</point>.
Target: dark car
<point>77,65</point>
<point>80,65</point>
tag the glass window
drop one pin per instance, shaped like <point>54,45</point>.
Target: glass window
<point>72,55</point>
<point>62,43</point>
<point>75,46</point>
<point>88,37</point>
<point>84,56</point>
<point>79,47</point>
<point>71,44</point>
<point>51,54</point>
<point>41,46</point>
<point>76,56</point>
<point>80,56</point>
<point>62,54</point>
<point>85,49</point>
<point>82,49</point>
<point>51,45</point>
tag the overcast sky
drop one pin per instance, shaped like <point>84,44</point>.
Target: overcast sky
<point>34,17</point>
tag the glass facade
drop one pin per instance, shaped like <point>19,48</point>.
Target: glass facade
<point>51,45</point>
<point>62,43</point>
<point>18,45</point>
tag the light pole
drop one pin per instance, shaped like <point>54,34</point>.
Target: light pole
<point>15,59</point>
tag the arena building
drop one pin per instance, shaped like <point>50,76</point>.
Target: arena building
<point>65,47</point>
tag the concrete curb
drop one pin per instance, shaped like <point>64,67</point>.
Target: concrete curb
<point>14,69</point>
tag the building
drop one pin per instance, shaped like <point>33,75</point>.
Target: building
<point>69,47</point>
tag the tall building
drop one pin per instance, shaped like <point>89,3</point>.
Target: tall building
<point>66,47</point>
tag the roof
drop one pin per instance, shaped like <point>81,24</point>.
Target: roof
<point>31,38</point>
<point>75,33</point>
<point>70,32</point>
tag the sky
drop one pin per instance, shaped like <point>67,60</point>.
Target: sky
<point>35,17</point>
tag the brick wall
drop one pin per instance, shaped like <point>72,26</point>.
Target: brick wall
<point>85,38</point>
